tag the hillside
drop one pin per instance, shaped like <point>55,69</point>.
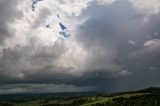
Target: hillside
<point>144,97</point>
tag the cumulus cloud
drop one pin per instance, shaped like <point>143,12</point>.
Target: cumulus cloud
<point>109,43</point>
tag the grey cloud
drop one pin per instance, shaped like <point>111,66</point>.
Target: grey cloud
<point>106,33</point>
<point>15,62</point>
<point>112,27</point>
<point>112,63</point>
<point>9,12</point>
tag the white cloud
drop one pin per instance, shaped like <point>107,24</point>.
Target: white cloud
<point>107,2</point>
<point>124,73</point>
<point>147,6</point>
<point>150,48</point>
<point>153,43</point>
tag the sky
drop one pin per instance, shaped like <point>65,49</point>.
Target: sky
<point>114,45</point>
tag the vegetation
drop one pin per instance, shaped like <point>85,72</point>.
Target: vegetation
<point>145,97</point>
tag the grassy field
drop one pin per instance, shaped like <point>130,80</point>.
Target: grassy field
<point>145,97</point>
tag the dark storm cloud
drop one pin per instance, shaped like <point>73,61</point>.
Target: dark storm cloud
<point>9,12</point>
<point>113,64</point>
<point>112,27</point>
<point>112,23</point>
<point>144,62</point>
<point>98,80</point>
<point>29,64</point>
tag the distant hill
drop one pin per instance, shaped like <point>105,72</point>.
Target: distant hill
<point>144,97</point>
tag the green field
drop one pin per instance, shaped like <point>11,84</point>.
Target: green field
<point>145,97</point>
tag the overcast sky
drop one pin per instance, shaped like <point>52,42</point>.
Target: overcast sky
<point>114,46</point>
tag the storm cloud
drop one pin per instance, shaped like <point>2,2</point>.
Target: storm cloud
<point>114,46</point>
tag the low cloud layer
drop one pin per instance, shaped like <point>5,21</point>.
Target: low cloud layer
<point>114,46</point>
